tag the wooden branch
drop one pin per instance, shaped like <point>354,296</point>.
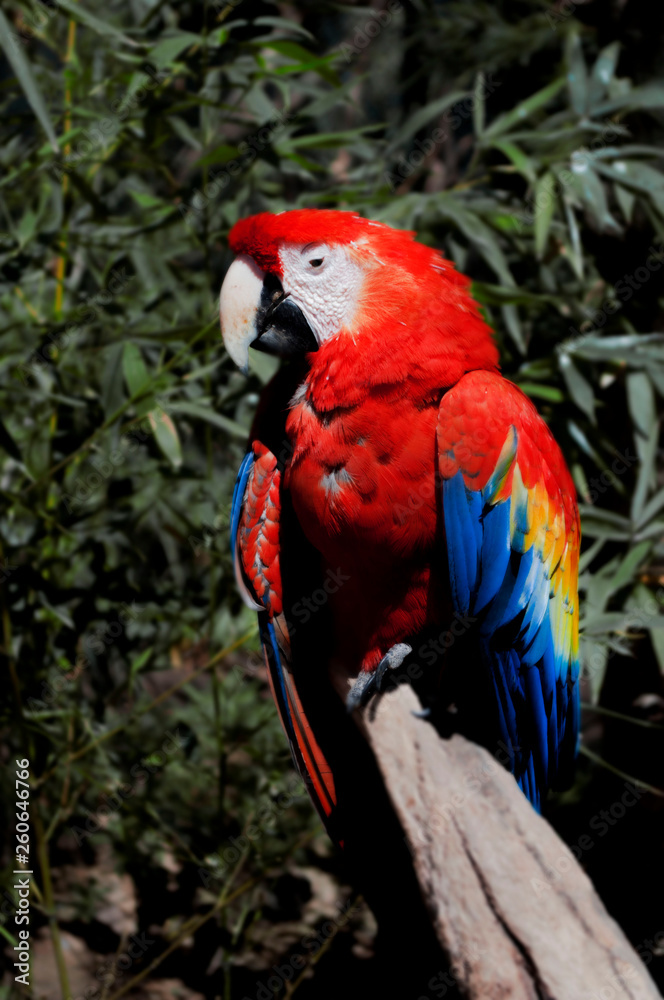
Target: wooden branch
<point>510,905</point>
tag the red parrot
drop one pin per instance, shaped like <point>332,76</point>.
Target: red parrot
<point>402,507</point>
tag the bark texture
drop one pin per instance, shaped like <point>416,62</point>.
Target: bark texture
<point>509,903</point>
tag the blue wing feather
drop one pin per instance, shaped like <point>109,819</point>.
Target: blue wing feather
<point>496,575</point>
<point>238,498</point>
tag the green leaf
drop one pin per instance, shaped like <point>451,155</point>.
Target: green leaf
<point>220,154</point>
<point>184,131</point>
<point>629,565</point>
<point>327,140</point>
<point>146,200</point>
<point>638,348</point>
<point>579,388</point>
<point>166,436</point>
<point>633,174</point>
<point>574,248</point>
<point>524,164</point>
<point>166,51</point>
<point>650,96</point>
<point>577,74</point>
<point>423,116</point>
<point>651,509</point>
<point>641,402</point>
<point>478,106</point>
<point>625,200</point>
<point>525,109</point>
<point>657,640</point>
<point>7,442</point>
<point>79,13</point>
<point>647,473</point>
<point>211,417</point>
<point>16,59</point>
<point>538,391</point>
<point>303,60</point>
<point>136,374</point>
<point>140,661</point>
<point>511,319</point>
<point>598,523</point>
<point>111,388</point>
<point>283,23</point>
<point>603,71</point>
<point>545,203</point>
<point>477,232</point>
<point>583,182</point>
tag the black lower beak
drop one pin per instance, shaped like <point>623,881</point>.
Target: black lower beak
<point>282,327</point>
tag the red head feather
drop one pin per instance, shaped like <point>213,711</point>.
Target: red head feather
<point>415,306</point>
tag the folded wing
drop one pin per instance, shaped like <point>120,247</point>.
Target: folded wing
<point>512,536</point>
<point>255,548</point>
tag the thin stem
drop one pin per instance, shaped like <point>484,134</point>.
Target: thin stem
<point>118,413</point>
<point>77,754</point>
<point>619,715</point>
<point>189,928</point>
<point>60,263</point>
<point>596,759</point>
<point>49,902</point>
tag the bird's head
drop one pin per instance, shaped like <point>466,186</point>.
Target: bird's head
<point>304,277</point>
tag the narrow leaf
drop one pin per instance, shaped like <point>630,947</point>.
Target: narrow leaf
<point>523,111</point>
<point>545,202</point>
<point>166,436</point>
<point>24,75</point>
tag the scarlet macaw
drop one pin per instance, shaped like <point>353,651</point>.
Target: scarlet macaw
<point>392,458</point>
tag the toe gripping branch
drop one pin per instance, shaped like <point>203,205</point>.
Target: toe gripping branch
<point>369,684</point>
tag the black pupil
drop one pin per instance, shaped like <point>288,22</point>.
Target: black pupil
<point>316,262</point>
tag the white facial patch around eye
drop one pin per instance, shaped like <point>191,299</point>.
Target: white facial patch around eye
<point>325,283</point>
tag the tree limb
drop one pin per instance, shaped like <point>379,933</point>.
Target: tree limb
<point>510,905</point>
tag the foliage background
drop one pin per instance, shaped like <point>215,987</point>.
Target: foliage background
<point>522,137</point>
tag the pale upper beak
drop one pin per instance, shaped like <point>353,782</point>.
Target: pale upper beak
<point>239,300</point>
<point>256,312</point>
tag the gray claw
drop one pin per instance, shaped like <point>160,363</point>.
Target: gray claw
<point>368,684</point>
<point>360,691</point>
<point>395,656</point>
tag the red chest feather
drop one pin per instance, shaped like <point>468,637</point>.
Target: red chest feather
<point>362,477</point>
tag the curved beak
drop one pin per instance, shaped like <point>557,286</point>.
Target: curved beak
<point>256,312</point>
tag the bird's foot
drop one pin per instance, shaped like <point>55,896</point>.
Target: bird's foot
<point>421,713</point>
<point>369,684</point>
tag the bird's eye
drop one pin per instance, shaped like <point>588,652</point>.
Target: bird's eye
<point>316,261</point>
